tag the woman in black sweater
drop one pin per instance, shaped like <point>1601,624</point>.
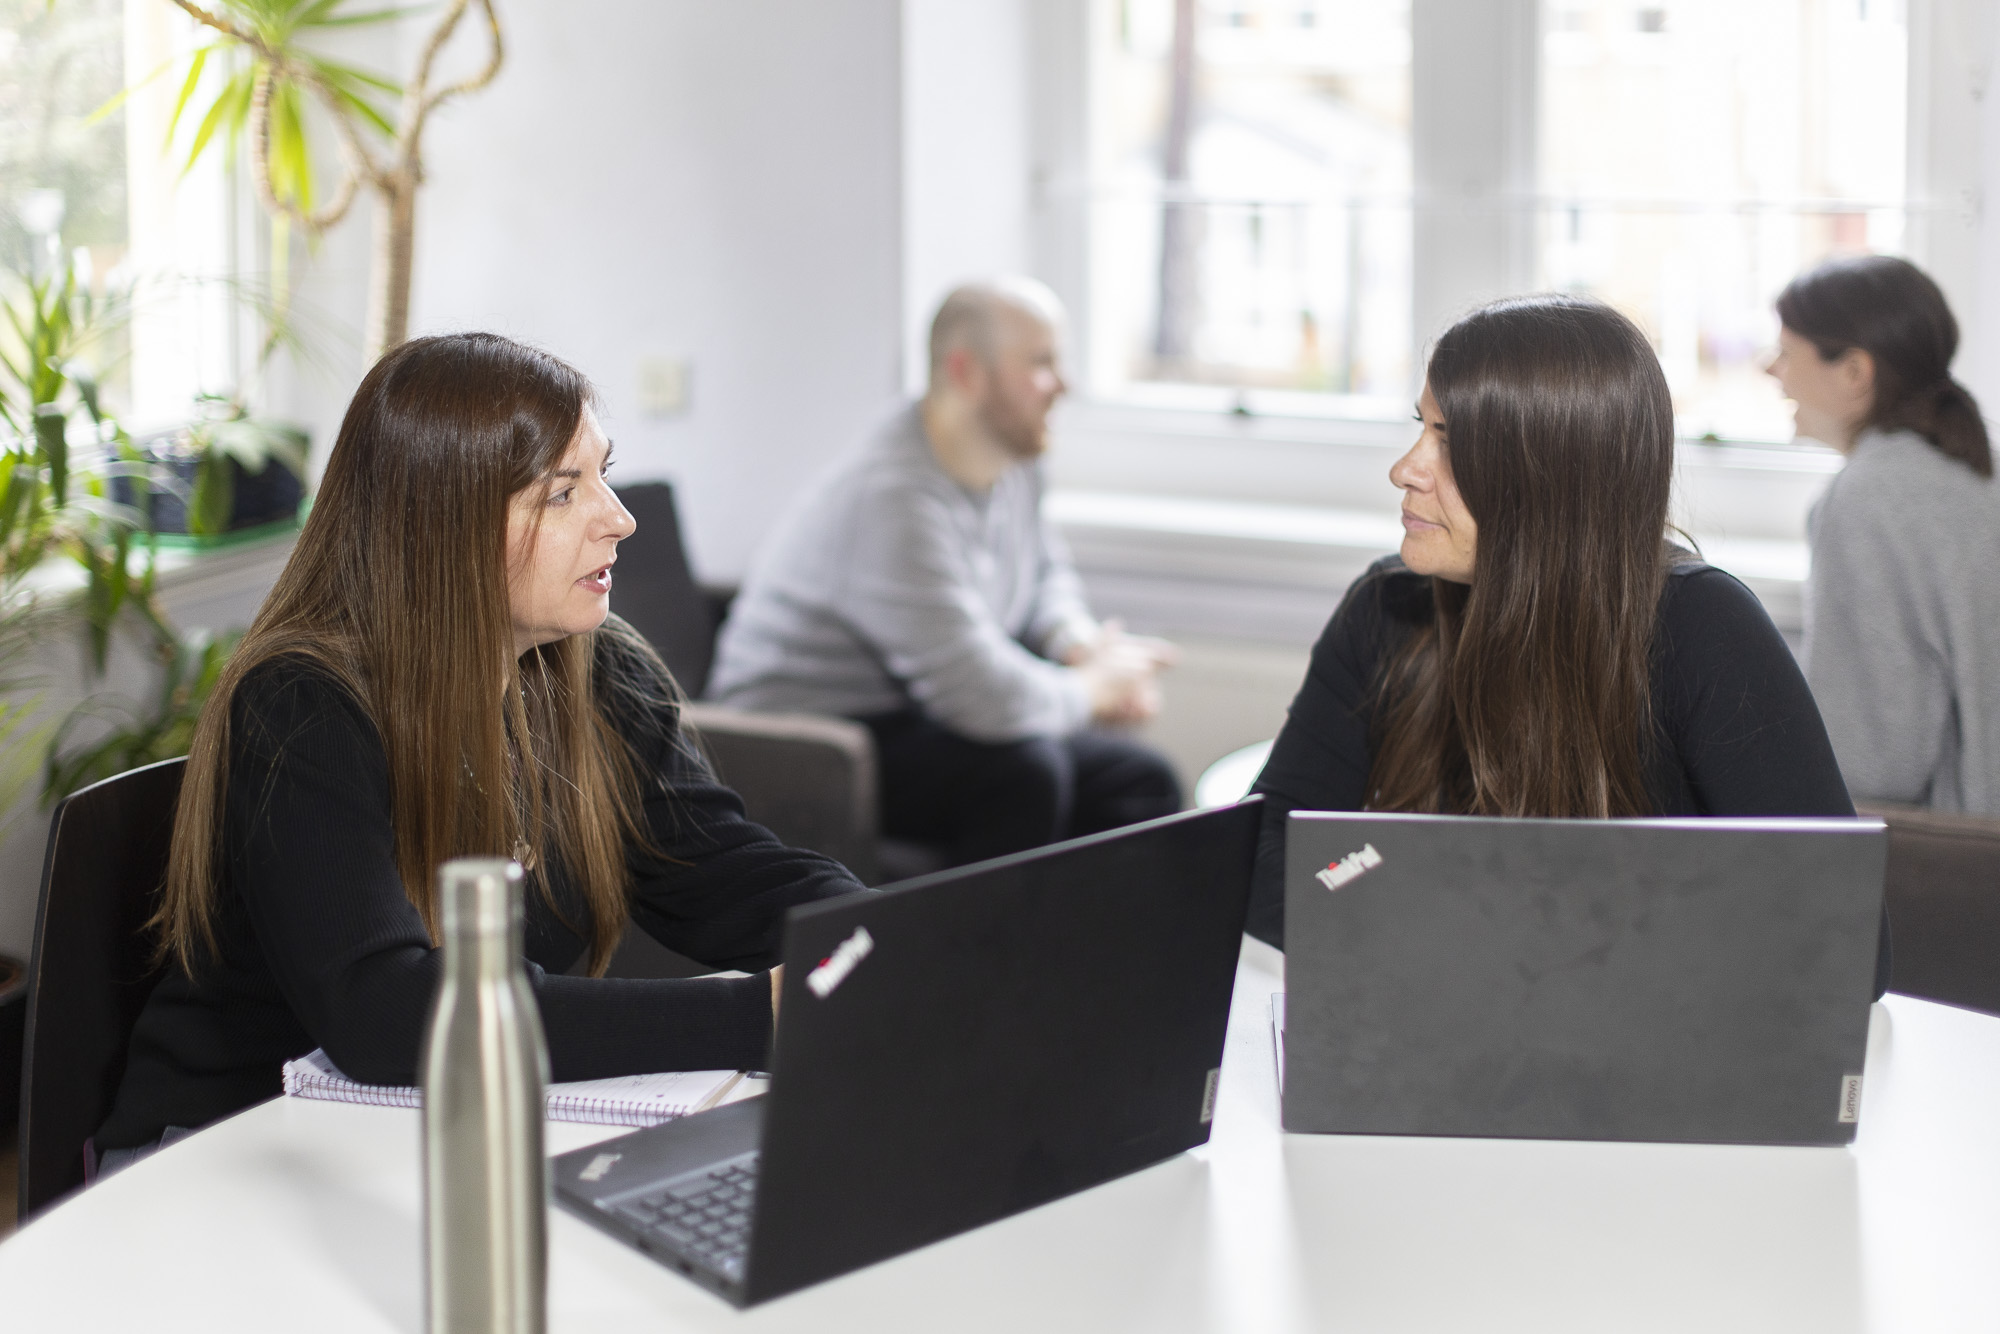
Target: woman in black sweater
<point>434,676</point>
<point>1539,648</point>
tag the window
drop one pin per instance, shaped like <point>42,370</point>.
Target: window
<point>62,176</point>
<point>1285,198</point>
<point>99,192</point>
<point>1695,156</point>
<point>1249,214</point>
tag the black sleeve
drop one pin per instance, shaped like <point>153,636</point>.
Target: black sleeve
<point>1736,708</point>
<point>714,886</point>
<point>311,851</point>
<point>1321,759</point>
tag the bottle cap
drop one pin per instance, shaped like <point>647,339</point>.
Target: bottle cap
<point>479,895</point>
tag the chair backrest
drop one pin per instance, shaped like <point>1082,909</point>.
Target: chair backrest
<point>808,779</point>
<point>92,967</point>
<point>654,590</point>
<point>1943,892</point>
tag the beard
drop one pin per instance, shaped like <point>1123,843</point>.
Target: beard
<point>1023,433</point>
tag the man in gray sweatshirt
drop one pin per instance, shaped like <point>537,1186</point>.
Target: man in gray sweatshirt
<point>918,589</point>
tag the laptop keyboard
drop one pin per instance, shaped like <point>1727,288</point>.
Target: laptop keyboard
<point>705,1217</point>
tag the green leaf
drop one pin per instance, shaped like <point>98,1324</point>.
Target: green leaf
<point>214,495</point>
<point>367,112</point>
<point>288,130</point>
<point>52,439</point>
<point>231,105</point>
<point>118,99</point>
<point>196,63</point>
<point>366,16</point>
<point>335,72</point>
<point>7,363</point>
<point>86,390</point>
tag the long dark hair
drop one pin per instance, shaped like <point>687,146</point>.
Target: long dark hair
<point>1890,309</point>
<point>398,589</point>
<point>1528,694</point>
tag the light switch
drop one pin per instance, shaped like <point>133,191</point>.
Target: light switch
<point>663,386</point>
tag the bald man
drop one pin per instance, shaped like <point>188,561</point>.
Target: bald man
<point>918,590</point>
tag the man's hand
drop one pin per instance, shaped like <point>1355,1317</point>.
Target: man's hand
<point>1120,671</point>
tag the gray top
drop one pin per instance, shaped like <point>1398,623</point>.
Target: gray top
<point>889,584</point>
<point>1902,642</point>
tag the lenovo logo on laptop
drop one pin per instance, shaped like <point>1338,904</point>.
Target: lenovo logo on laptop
<point>1351,867</point>
<point>835,967</point>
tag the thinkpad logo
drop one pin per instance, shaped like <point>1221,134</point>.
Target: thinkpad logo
<point>1349,868</point>
<point>598,1167</point>
<point>835,967</point>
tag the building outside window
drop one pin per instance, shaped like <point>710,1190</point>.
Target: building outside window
<point>1251,210</point>
<point>63,173</point>
<point>97,189</point>
<point>1252,215</point>
<point>1695,156</point>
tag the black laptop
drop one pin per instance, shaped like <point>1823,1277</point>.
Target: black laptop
<point>1673,980</point>
<point>951,1051</point>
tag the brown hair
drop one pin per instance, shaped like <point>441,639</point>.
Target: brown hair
<point>398,590</point>
<point>1890,309</point>
<point>1528,693</point>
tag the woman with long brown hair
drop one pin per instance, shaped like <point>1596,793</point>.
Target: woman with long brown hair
<point>434,676</point>
<point>1540,648</point>
<point>1903,612</point>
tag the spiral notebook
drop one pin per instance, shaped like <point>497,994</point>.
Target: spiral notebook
<point>628,1100</point>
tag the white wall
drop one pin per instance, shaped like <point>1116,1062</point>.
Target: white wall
<point>678,179</point>
<point>1979,363</point>
<point>967,171</point>
<point>719,182</point>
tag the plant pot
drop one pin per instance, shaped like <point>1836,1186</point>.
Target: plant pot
<point>13,1030</point>
<point>260,501</point>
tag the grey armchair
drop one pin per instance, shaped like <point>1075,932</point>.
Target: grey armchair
<point>807,778</point>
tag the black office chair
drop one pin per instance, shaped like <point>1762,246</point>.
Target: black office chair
<point>654,589</point>
<point>92,967</point>
<point>809,778</point>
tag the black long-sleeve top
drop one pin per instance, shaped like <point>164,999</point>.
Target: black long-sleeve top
<point>1736,729</point>
<point>318,946</point>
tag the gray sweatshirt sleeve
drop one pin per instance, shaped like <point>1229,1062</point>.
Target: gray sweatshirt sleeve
<point>1874,652</point>
<point>1061,618</point>
<point>910,594</point>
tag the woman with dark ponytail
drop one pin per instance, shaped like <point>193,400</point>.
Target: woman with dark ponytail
<point>1903,613</point>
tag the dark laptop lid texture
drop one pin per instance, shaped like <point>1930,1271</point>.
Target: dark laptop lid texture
<point>1001,1039</point>
<point>1694,981</point>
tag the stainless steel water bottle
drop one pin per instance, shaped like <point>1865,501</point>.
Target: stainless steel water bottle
<point>484,1071</point>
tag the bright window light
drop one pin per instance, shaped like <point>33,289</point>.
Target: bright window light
<point>1695,155</point>
<point>1249,212</point>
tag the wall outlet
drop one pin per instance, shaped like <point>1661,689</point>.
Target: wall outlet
<point>663,386</point>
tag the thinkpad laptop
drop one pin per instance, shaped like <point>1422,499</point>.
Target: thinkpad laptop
<point>1701,981</point>
<point>953,1050</point>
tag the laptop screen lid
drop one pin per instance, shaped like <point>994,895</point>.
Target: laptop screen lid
<point>1673,980</point>
<point>976,1042</point>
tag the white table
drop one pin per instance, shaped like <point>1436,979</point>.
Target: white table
<point>304,1216</point>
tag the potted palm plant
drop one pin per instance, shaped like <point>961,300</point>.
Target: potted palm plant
<point>74,546</point>
<point>224,477</point>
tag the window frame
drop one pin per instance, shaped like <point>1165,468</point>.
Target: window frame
<point>1473,143</point>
